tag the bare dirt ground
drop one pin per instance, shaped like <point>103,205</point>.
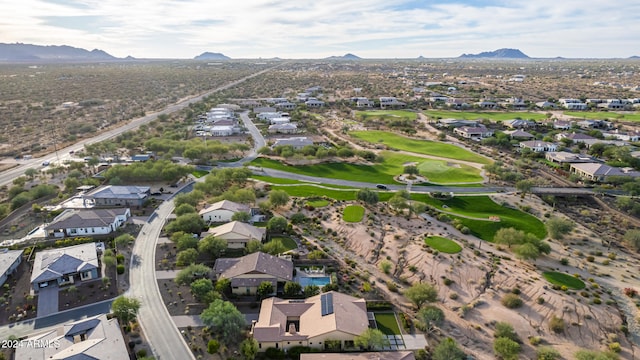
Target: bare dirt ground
<point>483,273</point>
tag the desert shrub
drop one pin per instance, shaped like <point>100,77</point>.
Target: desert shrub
<point>511,301</point>
<point>120,269</point>
<point>213,346</point>
<point>557,324</point>
<point>547,353</point>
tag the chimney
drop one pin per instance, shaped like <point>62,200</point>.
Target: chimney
<point>292,328</point>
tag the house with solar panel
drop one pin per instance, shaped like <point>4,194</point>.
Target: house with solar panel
<point>329,317</point>
<point>111,195</point>
<point>65,266</point>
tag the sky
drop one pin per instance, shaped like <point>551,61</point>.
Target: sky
<point>302,29</point>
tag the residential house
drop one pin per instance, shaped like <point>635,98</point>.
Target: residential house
<point>601,172</point>
<point>289,128</point>
<point>9,262</point>
<point>264,109</point>
<point>457,104</point>
<point>573,104</point>
<point>362,102</point>
<point>311,322</point>
<point>285,105</point>
<point>473,132</point>
<point>141,157</point>
<point>237,234</point>
<point>386,355</point>
<point>633,136</point>
<point>457,123</point>
<point>64,266</point>
<point>221,130</point>
<point>575,137</point>
<point>87,222</point>
<point>246,273</point>
<point>314,103</point>
<point>436,97</point>
<point>271,115</point>
<point>390,101</point>
<point>546,105</point>
<point>563,157</point>
<point>222,211</point>
<point>538,146</point>
<point>279,120</point>
<point>112,195</point>
<point>516,103</point>
<point>276,100</point>
<point>519,134</point>
<point>561,125</point>
<point>97,337</point>
<point>614,104</point>
<point>487,104</point>
<point>594,124</point>
<point>296,142</point>
<point>519,123</point>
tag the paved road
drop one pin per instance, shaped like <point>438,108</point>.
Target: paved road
<point>6,177</point>
<point>258,142</point>
<point>159,329</point>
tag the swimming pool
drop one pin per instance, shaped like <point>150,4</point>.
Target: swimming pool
<point>316,280</point>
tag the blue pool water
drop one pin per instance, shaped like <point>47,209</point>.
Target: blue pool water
<point>317,280</point>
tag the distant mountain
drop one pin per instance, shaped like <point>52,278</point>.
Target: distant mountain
<point>498,54</point>
<point>344,57</point>
<point>29,52</point>
<point>634,57</point>
<point>211,56</point>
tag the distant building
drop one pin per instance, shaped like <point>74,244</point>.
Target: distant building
<point>519,134</point>
<point>601,172</point>
<point>288,128</point>
<point>112,195</point>
<point>386,355</point>
<point>563,157</point>
<point>519,123</point>
<point>314,103</point>
<point>390,101</point>
<point>538,146</point>
<point>296,142</point>
<point>473,132</point>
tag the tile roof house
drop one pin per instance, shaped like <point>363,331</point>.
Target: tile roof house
<point>87,339</point>
<point>288,128</point>
<point>574,136</point>
<point>386,355</point>
<point>9,262</point>
<point>297,142</point>
<point>310,322</point>
<point>64,266</point>
<point>222,211</point>
<point>314,103</point>
<point>519,134</point>
<point>87,222</point>
<point>237,234</point>
<point>567,157</point>
<point>473,132</point>
<point>248,272</point>
<point>519,123</point>
<point>601,172</point>
<point>112,195</point>
<point>538,146</point>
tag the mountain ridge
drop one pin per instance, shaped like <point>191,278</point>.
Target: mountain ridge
<point>30,52</point>
<point>503,53</point>
<point>211,56</point>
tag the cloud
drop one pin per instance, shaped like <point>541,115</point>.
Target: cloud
<point>311,29</point>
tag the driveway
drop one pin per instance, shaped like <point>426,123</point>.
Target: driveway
<point>48,301</point>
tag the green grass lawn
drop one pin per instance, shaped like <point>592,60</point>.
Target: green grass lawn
<point>491,115</point>
<point>483,207</point>
<point>306,191</point>
<point>561,279</point>
<point>386,115</point>
<point>631,116</point>
<point>443,244</point>
<point>288,243</point>
<point>426,147</point>
<point>382,173</point>
<point>318,203</point>
<point>387,323</point>
<point>353,213</point>
<point>199,173</point>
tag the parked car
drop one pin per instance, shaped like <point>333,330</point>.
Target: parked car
<point>382,187</point>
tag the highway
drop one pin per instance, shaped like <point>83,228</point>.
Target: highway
<point>7,176</point>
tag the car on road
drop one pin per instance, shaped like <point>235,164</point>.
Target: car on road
<point>46,163</point>
<point>382,187</point>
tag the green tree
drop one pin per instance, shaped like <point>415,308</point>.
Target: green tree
<point>274,247</point>
<point>411,170</point>
<point>31,173</point>
<point>447,349</point>
<point>547,353</point>
<point>420,294</point>
<point>292,288</point>
<point>559,227</point>
<point>265,289</point>
<point>371,339</point>
<point>253,246</point>
<point>524,186</point>
<point>632,238</point>
<point>506,348</point>
<point>125,309</point>
<point>368,196</point>
<point>249,348</point>
<point>123,240</point>
<point>189,223</point>
<point>278,198</point>
<point>504,329</point>
<point>225,318</point>
<point>186,257</point>
<point>201,287</point>
<point>311,290</point>
<point>595,355</point>
<point>191,272</point>
<point>430,317</point>
<point>385,266</point>
<point>213,246</point>
<point>277,225</point>
<point>185,209</point>
<point>223,285</point>
<point>187,241</point>
<point>509,236</point>
<point>241,216</point>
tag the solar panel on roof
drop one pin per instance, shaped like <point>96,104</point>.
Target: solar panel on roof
<point>326,304</point>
